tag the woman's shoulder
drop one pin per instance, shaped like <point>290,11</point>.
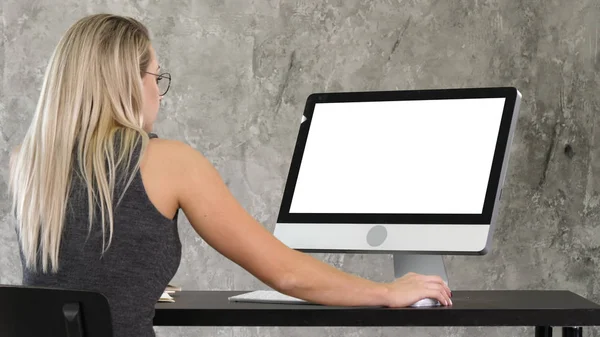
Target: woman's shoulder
<point>170,170</point>
<point>168,149</point>
<point>171,157</point>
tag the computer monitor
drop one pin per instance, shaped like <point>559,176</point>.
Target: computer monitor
<point>417,174</point>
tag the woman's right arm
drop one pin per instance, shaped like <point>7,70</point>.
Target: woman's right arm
<point>222,222</point>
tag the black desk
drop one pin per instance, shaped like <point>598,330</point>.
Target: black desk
<point>540,309</point>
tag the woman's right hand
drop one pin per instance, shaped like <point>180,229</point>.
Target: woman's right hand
<point>412,287</point>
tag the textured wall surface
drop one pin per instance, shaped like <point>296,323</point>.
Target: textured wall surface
<point>243,69</point>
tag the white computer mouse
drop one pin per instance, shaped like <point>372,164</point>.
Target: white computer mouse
<point>427,302</point>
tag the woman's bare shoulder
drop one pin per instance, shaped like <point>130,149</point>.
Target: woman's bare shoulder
<point>171,157</point>
<point>162,168</point>
<point>168,149</point>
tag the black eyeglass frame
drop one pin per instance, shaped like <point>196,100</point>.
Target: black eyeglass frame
<point>160,77</point>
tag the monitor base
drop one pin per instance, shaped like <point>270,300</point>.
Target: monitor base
<point>419,263</point>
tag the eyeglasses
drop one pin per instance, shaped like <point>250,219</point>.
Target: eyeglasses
<point>164,82</point>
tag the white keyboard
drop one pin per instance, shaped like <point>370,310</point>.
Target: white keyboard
<point>272,296</point>
<point>266,296</point>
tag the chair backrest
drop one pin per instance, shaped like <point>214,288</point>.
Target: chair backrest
<point>36,311</point>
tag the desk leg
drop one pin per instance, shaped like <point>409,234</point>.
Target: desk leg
<point>543,331</point>
<point>572,332</point>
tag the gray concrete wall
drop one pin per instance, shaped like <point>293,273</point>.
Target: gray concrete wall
<point>243,69</point>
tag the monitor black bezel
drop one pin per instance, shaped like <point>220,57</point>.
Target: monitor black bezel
<point>510,95</point>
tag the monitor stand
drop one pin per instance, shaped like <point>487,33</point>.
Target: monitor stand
<point>426,264</point>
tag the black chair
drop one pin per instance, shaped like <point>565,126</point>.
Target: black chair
<point>47,312</point>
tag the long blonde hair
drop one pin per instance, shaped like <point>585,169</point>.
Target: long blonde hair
<point>91,93</point>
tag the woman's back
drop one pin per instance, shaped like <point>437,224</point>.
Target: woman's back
<point>143,256</point>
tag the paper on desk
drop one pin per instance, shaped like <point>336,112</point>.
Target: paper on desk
<point>166,295</point>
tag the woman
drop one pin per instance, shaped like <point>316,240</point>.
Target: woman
<point>96,195</point>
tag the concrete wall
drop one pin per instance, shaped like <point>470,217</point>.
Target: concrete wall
<point>243,69</point>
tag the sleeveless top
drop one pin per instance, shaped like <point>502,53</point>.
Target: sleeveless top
<point>143,257</point>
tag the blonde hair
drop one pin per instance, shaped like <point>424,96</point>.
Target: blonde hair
<point>91,93</point>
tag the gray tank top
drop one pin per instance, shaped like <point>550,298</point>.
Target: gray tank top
<point>143,257</point>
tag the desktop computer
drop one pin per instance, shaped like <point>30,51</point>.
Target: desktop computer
<point>417,174</point>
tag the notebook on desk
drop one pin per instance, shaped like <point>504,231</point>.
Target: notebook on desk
<point>267,296</point>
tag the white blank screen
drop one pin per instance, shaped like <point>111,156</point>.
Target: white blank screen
<point>428,157</point>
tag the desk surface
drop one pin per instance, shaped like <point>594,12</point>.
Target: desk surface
<point>471,308</point>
